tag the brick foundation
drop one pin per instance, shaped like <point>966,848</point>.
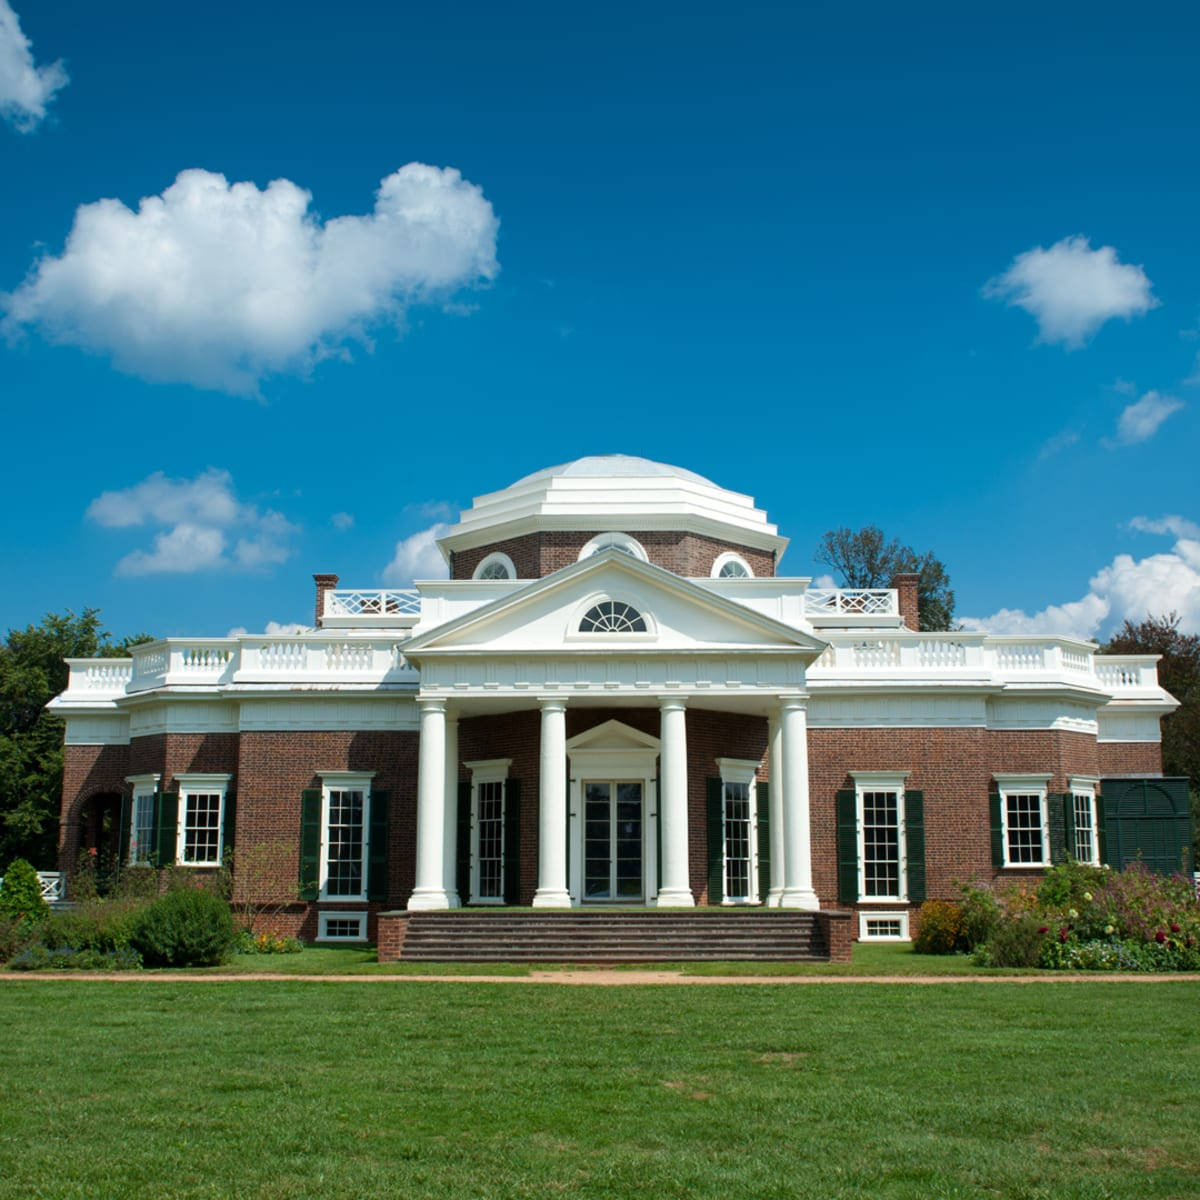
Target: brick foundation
<point>393,927</point>
<point>838,929</point>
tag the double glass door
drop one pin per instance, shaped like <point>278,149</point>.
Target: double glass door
<point>612,841</point>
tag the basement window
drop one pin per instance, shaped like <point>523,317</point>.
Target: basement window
<point>342,927</point>
<point>883,927</point>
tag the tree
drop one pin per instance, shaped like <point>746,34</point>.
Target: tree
<point>32,672</point>
<point>867,558</point>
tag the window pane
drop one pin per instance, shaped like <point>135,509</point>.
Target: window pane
<point>1024,813</point>
<point>881,844</point>
<point>1085,833</point>
<point>141,843</point>
<point>202,827</point>
<point>490,817</point>
<point>737,841</point>
<point>344,848</point>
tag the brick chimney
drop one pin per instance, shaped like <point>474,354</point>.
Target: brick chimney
<point>910,606</point>
<point>326,583</point>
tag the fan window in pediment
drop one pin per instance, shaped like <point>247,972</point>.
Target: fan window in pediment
<point>612,616</point>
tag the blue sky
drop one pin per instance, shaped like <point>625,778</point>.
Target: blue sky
<point>755,241</point>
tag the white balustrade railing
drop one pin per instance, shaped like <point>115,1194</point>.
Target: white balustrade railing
<point>348,656</point>
<point>873,602</point>
<point>941,652</point>
<point>282,656</point>
<point>377,602</point>
<point>1020,656</point>
<point>1121,672</point>
<point>202,658</point>
<point>53,885</point>
<point>101,674</point>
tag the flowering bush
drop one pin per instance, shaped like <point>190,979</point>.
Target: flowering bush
<point>249,942</point>
<point>939,928</point>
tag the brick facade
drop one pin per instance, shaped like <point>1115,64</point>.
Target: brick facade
<point>1130,758</point>
<point>537,554</point>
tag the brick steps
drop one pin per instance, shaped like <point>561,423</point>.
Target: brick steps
<point>613,937</point>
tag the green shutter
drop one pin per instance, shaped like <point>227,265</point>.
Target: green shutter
<point>914,845</point>
<point>377,847</point>
<point>310,843</point>
<point>1057,830</point>
<point>126,825</point>
<point>997,823</point>
<point>658,830</point>
<point>1101,831</point>
<point>512,841</point>
<point>847,846</point>
<point>763,799</point>
<point>228,823</point>
<point>1068,820</point>
<point>462,851</point>
<point>166,826</point>
<point>716,842</point>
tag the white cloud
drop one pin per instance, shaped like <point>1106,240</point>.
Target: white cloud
<point>201,515</point>
<point>25,90</point>
<point>1071,289</point>
<point>417,557</point>
<point>1139,421</point>
<point>1057,443</point>
<point>1127,588</point>
<point>342,520</point>
<point>273,629</point>
<point>219,285</point>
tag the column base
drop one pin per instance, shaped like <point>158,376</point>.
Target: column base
<point>455,902</point>
<point>773,897</point>
<point>428,900</point>
<point>804,898</point>
<point>552,898</point>
<point>674,898</point>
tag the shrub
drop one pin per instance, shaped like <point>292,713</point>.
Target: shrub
<point>21,893</point>
<point>981,914</point>
<point>249,942</point>
<point>1014,943</point>
<point>939,928</point>
<point>41,958</point>
<point>15,935</point>
<point>1065,886</point>
<point>186,928</point>
<point>100,925</point>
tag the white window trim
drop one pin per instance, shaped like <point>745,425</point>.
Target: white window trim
<point>602,541</point>
<point>491,770</point>
<point>343,781</point>
<point>741,770</point>
<point>142,785</point>
<point>200,785</point>
<point>574,634</point>
<point>727,557</point>
<point>1086,785</point>
<point>324,918</point>
<point>864,917</point>
<point>1024,785</point>
<point>881,781</point>
<point>496,556</point>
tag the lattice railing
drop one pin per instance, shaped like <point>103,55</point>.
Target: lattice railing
<point>862,602</point>
<point>378,602</point>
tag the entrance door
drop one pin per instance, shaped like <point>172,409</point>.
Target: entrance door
<point>612,841</point>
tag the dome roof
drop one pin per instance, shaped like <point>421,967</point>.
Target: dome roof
<point>614,466</point>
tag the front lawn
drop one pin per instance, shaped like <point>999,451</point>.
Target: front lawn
<point>325,1090</point>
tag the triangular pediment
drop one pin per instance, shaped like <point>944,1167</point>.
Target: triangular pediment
<point>547,616</point>
<point>612,735</point>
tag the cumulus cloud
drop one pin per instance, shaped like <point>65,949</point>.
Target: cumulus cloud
<point>342,520</point>
<point>417,557</point>
<point>1139,421</point>
<point>219,285</point>
<point>1071,289</point>
<point>203,525</point>
<point>273,629</point>
<point>25,90</point>
<point>1127,588</point>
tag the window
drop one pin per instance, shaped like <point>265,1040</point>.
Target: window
<point>883,927</point>
<point>881,836</point>
<point>613,541</point>
<point>731,566</point>
<point>200,836</point>
<point>141,818</point>
<point>345,820</point>
<point>739,830</point>
<point>342,927</point>
<point>1086,847</point>
<point>612,616</point>
<point>1023,818</point>
<point>488,783</point>
<point>496,566</point>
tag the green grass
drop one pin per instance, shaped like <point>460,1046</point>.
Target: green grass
<point>324,1090</point>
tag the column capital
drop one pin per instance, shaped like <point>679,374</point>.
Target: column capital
<point>432,703</point>
<point>552,703</point>
<point>793,702</point>
<point>672,703</point>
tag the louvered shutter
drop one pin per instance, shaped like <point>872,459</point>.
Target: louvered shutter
<point>462,851</point>
<point>716,841</point>
<point>166,827</point>
<point>228,823</point>
<point>763,800</point>
<point>1057,827</point>
<point>847,846</point>
<point>1068,820</point>
<point>377,846</point>
<point>512,841</point>
<point>126,826</point>
<point>914,839</point>
<point>997,827</point>
<point>310,843</point>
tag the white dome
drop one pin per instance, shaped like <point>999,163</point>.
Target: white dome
<point>614,466</point>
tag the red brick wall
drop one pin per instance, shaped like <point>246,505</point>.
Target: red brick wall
<point>908,599</point>
<point>1130,758</point>
<point>87,771</point>
<point>537,554</point>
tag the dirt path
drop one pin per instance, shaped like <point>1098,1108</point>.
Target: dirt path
<point>588,978</point>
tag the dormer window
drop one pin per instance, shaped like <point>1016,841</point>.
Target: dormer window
<point>612,616</point>
<point>496,566</point>
<point>614,541</point>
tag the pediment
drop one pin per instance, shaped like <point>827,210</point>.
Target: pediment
<point>612,735</point>
<point>677,615</point>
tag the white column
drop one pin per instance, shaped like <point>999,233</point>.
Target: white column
<point>430,890</point>
<point>797,880</point>
<point>552,809</point>
<point>450,825</point>
<point>673,887</point>
<point>776,823</point>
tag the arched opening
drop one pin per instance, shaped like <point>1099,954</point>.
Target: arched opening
<point>100,838</point>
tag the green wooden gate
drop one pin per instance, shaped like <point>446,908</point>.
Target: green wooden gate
<point>1147,820</point>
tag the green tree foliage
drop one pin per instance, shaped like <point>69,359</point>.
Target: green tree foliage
<point>1179,673</point>
<point>32,672</point>
<point>868,558</point>
<point>21,893</point>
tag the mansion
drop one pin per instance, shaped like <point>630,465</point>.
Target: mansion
<point>615,699</point>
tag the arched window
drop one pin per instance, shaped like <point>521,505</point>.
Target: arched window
<point>496,566</point>
<point>614,541</point>
<point>612,616</point>
<point>731,566</point>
